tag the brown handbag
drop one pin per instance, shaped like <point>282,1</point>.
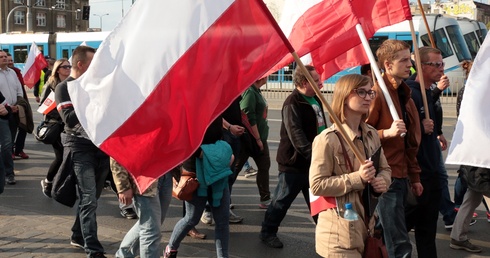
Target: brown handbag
<point>185,187</point>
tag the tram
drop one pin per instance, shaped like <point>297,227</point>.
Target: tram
<point>473,32</point>
<point>56,45</point>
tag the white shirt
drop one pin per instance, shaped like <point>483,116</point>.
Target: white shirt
<point>10,86</point>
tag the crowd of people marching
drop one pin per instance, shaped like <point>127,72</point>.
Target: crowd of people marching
<point>364,158</point>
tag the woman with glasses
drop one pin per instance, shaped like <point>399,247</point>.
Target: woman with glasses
<point>338,177</point>
<point>61,71</point>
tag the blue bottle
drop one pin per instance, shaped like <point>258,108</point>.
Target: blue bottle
<point>349,213</point>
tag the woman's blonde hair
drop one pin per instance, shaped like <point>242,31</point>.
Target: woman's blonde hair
<point>343,89</point>
<point>54,78</point>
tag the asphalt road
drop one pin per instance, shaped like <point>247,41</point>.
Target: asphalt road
<point>32,225</point>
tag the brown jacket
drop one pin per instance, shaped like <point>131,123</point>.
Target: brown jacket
<point>402,159</point>
<point>329,176</point>
<point>124,181</point>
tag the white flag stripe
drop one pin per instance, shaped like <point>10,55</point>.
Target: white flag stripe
<point>165,37</point>
<point>471,138</point>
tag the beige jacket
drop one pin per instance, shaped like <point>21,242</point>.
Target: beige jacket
<point>124,181</point>
<point>329,176</point>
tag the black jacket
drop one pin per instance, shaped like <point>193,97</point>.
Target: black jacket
<point>298,130</point>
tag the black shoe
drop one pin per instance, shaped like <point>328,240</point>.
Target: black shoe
<point>98,255</point>
<point>47,186</point>
<point>271,241</point>
<point>128,213</point>
<point>77,242</point>
<point>11,180</point>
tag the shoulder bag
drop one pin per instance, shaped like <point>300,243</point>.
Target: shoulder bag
<point>48,131</point>
<point>185,187</point>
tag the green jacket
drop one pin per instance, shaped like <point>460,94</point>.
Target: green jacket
<point>253,104</point>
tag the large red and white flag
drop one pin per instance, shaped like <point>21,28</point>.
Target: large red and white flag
<point>471,138</point>
<point>35,63</point>
<point>339,47</point>
<point>165,72</point>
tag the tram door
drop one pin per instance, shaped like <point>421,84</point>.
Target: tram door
<point>67,50</point>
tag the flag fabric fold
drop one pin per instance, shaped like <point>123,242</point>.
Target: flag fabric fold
<point>313,28</point>
<point>35,63</point>
<point>151,92</point>
<point>471,137</point>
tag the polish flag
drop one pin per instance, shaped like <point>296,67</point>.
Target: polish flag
<point>166,72</point>
<point>35,63</point>
<point>326,29</point>
<point>321,203</point>
<point>48,104</point>
<point>471,137</point>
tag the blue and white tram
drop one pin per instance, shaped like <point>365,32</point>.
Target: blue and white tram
<point>447,36</point>
<point>56,45</point>
<point>473,34</point>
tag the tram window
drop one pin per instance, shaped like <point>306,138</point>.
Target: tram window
<point>64,53</point>
<point>458,42</point>
<point>441,42</point>
<point>375,42</point>
<point>20,54</point>
<point>472,43</point>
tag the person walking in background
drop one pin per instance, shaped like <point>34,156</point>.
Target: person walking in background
<point>143,239</point>
<point>216,170</point>
<point>339,175</point>
<point>61,71</point>
<point>423,217</point>
<point>394,58</point>
<point>21,134</point>
<point>11,90</point>
<point>302,119</point>
<point>90,164</point>
<point>254,106</point>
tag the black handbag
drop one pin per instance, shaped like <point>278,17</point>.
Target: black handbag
<point>48,131</point>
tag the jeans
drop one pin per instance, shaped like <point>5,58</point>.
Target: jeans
<point>6,146</point>
<point>446,207</point>
<point>143,239</point>
<point>263,162</point>
<point>194,209</point>
<point>91,170</point>
<point>235,144</point>
<point>288,187</point>
<point>391,210</point>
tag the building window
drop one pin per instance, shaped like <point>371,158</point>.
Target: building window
<point>60,21</point>
<point>41,19</point>
<point>19,17</point>
<point>60,4</point>
<point>40,3</point>
<point>18,2</point>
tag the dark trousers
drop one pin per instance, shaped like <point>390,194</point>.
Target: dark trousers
<point>423,218</point>
<point>20,141</point>
<point>287,189</point>
<point>235,144</point>
<point>263,162</point>
<point>58,159</point>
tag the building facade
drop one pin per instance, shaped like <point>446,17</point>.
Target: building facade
<point>38,16</point>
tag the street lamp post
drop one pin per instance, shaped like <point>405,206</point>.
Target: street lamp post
<point>100,18</point>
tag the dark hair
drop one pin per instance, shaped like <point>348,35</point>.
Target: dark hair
<point>80,55</point>
<point>299,76</point>
<point>365,69</point>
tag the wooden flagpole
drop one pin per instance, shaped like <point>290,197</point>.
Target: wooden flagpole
<point>420,74</point>
<point>431,38</point>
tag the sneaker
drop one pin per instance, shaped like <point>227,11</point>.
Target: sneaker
<point>98,255</point>
<point>450,226</point>
<point>11,180</point>
<point>474,213</point>
<point>488,216</point>
<point>77,242</point>
<point>265,204</point>
<point>169,253</point>
<point>22,155</point>
<point>207,217</point>
<point>250,172</point>
<point>128,213</point>
<point>464,245</point>
<point>46,187</point>
<point>271,241</point>
<point>235,218</point>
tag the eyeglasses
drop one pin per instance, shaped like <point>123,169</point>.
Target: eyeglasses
<point>435,64</point>
<point>363,93</point>
<point>65,66</point>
